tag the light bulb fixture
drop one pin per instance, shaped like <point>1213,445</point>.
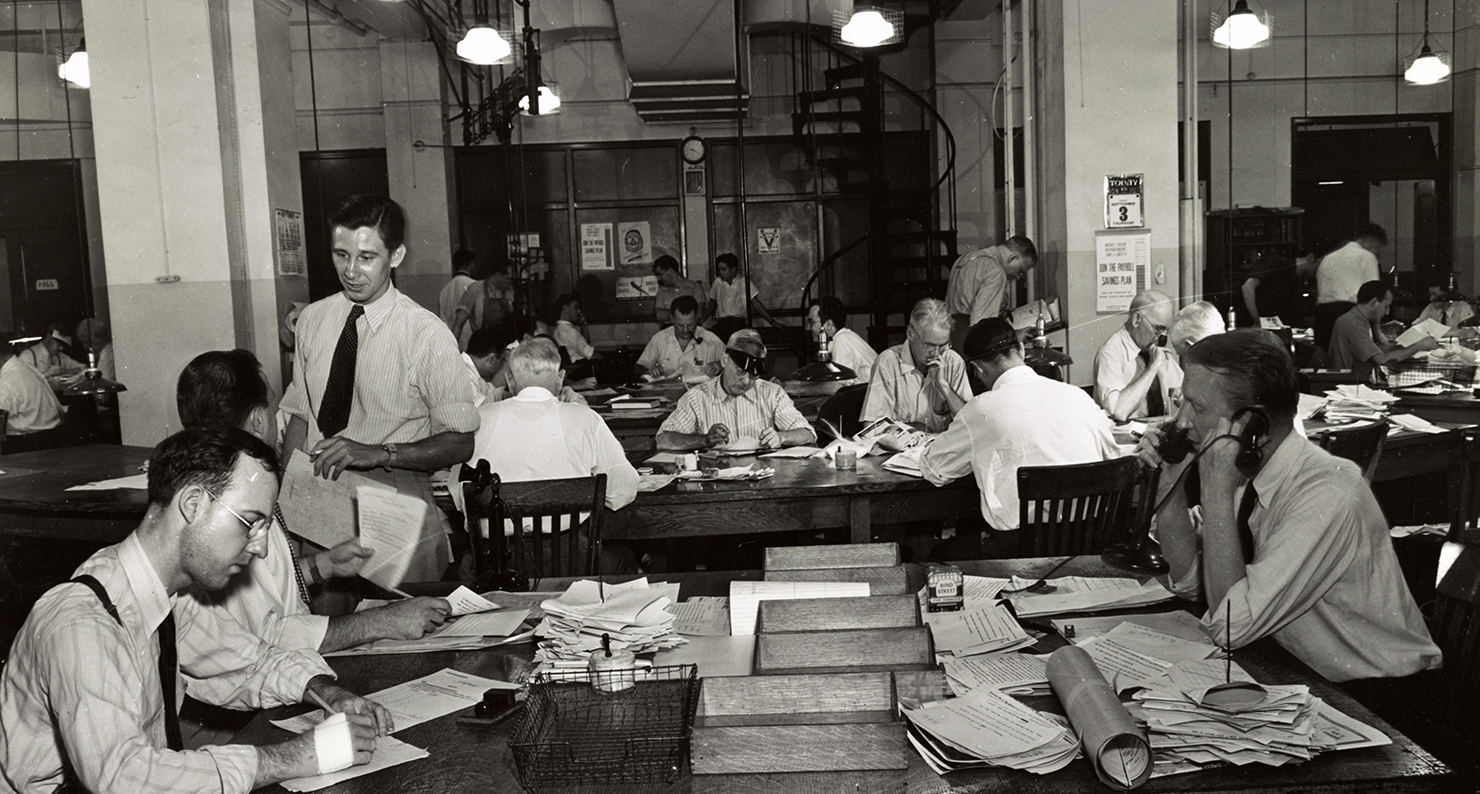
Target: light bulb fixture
<point>92,381</point>
<point>867,26</point>
<point>549,101</point>
<point>74,69</point>
<point>1427,67</point>
<point>1242,29</point>
<point>484,46</point>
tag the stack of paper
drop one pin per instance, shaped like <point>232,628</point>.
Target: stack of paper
<point>1086,594</point>
<point>987,727</point>
<point>978,630</point>
<point>634,615</point>
<point>1012,673</point>
<point>1348,403</point>
<point>907,462</point>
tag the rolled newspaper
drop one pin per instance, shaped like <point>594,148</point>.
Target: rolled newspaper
<point>1118,749</point>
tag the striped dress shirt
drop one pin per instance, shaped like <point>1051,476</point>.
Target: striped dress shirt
<point>410,382</point>
<point>76,674</point>
<point>762,405</point>
<point>264,598</point>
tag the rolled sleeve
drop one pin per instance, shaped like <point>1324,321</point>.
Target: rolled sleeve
<point>650,354</point>
<point>685,416</point>
<point>450,398</point>
<point>785,414</point>
<point>303,631</point>
<point>1110,379</point>
<point>621,477</point>
<point>233,668</point>
<point>295,397</point>
<point>949,456</point>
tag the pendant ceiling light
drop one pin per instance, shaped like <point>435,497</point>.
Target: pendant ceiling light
<point>74,69</point>
<point>1242,29</point>
<point>867,26</point>
<point>1427,67</point>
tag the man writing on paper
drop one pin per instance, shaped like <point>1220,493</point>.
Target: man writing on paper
<point>1023,419</point>
<point>736,405</point>
<point>1291,542</point>
<point>378,382</point>
<point>1133,371</point>
<point>270,598</point>
<point>923,381</point>
<point>89,696</point>
<point>980,282</point>
<point>684,350</point>
<point>534,436</point>
<point>1357,340</point>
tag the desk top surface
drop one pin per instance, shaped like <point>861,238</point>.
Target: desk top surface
<point>478,759</point>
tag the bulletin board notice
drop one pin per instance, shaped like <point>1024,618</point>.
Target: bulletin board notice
<point>1121,261</point>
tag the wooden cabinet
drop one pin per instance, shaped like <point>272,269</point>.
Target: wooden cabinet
<point>1239,240</point>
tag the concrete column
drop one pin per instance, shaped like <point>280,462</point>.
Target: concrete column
<point>193,155</point>
<point>1108,102</point>
<point>421,181</point>
<point>1466,110</point>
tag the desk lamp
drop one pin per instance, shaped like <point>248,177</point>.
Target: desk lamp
<point>823,369</point>
<point>93,382</point>
<point>1038,354</point>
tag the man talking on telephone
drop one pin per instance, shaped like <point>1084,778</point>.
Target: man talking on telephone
<point>1290,541</point>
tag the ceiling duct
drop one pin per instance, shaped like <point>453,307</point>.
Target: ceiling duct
<point>686,60</point>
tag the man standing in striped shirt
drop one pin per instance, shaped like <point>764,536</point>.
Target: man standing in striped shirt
<point>737,406</point>
<point>378,382</point>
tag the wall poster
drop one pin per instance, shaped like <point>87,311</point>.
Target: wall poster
<point>637,243</point>
<point>292,261</point>
<point>1121,260</point>
<point>596,246</point>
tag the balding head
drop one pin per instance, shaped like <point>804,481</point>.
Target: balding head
<point>1150,315</point>
<point>536,362</point>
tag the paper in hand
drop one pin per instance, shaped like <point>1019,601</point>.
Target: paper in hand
<point>320,510</point>
<point>390,523</point>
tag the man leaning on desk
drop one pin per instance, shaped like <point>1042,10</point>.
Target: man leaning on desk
<point>1291,542</point>
<point>90,693</point>
<point>737,405</point>
<point>1357,340</point>
<point>1133,369</point>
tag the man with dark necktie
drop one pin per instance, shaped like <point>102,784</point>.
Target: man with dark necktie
<point>1289,541</point>
<point>91,688</point>
<point>1134,370</point>
<point>378,383</point>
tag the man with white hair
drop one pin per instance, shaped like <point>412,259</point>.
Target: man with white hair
<point>1132,370</point>
<point>535,436</point>
<point>1196,321</point>
<point>923,381</point>
<point>736,405</point>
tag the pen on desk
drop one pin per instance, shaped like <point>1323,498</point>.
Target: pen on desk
<point>399,592</point>
<point>323,704</point>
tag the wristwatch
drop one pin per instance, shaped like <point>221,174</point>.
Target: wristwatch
<point>393,452</point>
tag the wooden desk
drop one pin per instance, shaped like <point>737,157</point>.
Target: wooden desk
<point>35,502</point>
<point>467,759</point>
<point>805,494</point>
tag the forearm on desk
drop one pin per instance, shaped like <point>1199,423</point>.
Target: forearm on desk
<point>674,440</point>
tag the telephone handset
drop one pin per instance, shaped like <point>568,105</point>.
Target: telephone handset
<point>1251,438</point>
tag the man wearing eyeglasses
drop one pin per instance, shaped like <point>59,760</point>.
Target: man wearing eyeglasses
<point>923,381</point>
<point>737,407</point>
<point>89,697</point>
<point>1133,369</point>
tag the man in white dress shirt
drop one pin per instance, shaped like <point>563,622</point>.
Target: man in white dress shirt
<point>827,316</point>
<point>1341,273</point>
<point>1133,370</point>
<point>923,381</point>
<point>1023,419</point>
<point>683,350</point>
<point>34,408</point>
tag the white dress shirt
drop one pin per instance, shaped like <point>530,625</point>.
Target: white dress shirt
<point>897,389</point>
<point>1119,362</point>
<point>265,598</point>
<point>24,392</point>
<point>1024,420</point>
<point>1343,272</point>
<point>849,350</point>
<point>664,355</point>
<point>569,337</point>
<point>730,300</point>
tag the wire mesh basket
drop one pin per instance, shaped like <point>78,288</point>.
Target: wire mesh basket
<point>581,728</point>
<point>1416,372</point>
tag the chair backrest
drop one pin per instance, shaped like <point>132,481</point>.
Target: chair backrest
<point>842,409</point>
<point>1072,509</point>
<point>1456,629</point>
<point>539,509</point>
<point>1361,445</point>
<point>481,503</point>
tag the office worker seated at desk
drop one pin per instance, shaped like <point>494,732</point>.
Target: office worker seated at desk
<point>672,284</point>
<point>48,356</point>
<point>270,597</point>
<point>923,381</point>
<point>378,383</point>
<point>483,361</point>
<point>1023,419</point>
<point>533,436</point>
<point>1357,340</point>
<point>1445,307</point>
<point>84,693</point>
<point>568,324</point>
<point>684,350</point>
<point>1133,369</point>
<point>736,405</point>
<point>828,317</point>
<point>35,411</point>
<point>1291,542</point>
<point>1192,324</point>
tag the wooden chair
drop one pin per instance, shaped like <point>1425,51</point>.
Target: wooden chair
<point>1456,629</point>
<point>542,549</point>
<point>1361,445</point>
<point>1072,509</point>
<point>841,411</point>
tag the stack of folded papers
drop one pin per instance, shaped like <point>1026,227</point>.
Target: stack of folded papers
<point>634,615</point>
<point>987,727</point>
<point>1349,403</point>
<point>1013,673</point>
<point>908,461</point>
<point>1085,594</point>
<point>975,631</point>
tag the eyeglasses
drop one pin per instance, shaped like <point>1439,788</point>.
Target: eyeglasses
<point>255,529</point>
<point>747,363</point>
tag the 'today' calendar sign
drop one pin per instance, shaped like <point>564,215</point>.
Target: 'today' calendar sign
<point>1123,194</point>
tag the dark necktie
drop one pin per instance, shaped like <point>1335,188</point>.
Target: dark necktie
<point>339,389</point>
<point>1155,403</point>
<point>1245,532</point>
<point>167,681</point>
<point>277,513</point>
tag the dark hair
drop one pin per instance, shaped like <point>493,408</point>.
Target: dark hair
<point>684,304</point>
<point>727,259</point>
<point>830,308</point>
<point>204,456</point>
<point>1252,361</point>
<point>1374,231</point>
<point>220,387</point>
<point>463,260</point>
<point>1371,291</point>
<point>561,301</point>
<point>1024,247</point>
<point>666,262</point>
<point>377,212</point>
<point>485,341</point>
<point>989,340</point>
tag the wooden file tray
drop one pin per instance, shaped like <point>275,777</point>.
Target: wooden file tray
<point>828,614</point>
<point>844,651</point>
<point>798,723</point>
<point>875,563</point>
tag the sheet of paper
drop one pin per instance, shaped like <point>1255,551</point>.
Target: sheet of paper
<point>417,701</point>
<point>1116,747</point>
<point>1424,330</point>
<point>432,644</point>
<point>466,602</point>
<point>1090,600</point>
<point>484,624</point>
<point>1122,666</point>
<point>1159,645</point>
<point>979,630</point>
<point>320,510</point>
<point>133,481</point>
<point>389,752</point>
<point>981,590</point>
<point>1341,731</point>
<point>716,656</point>
<point>998,671</point>
<point>793,452</point>
<point>1176,623</point>
<point>702,616</point>
<point>390,523</point>
<point>746,597</point>
<point>647,483</point>
<point>986,723</point>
